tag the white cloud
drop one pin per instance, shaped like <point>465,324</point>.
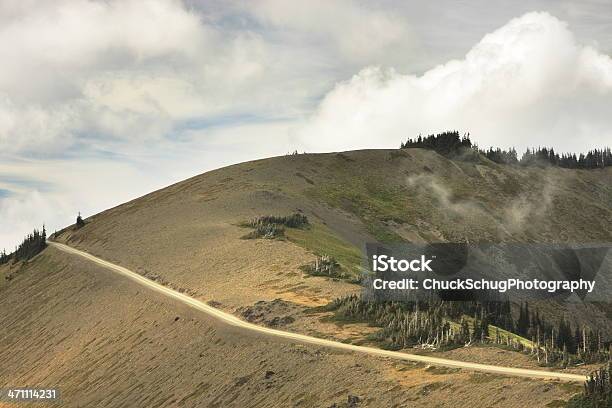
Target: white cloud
<point>58,44</point>
<point>88,185</point>
<point>130,71</point>
<point>52,191</point>
<point>117,69</point>
<point>117,97</point>
<point>109,96</point>
<point>357,32</point>
<point>527,83</point>
<point>18,217</point>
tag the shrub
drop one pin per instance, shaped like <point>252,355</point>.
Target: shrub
<point>272,226</point>
<point>295,220</point>
<point>324,266</point>
<point>267,231</point>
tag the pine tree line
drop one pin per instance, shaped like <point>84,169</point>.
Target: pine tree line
<point>450,142</point>
<point>501,156</point>
<point>443,143</point>
<point>594,159</point>
<point>428,324</point>
<point>434,324</point>
<point>560,343</point>
<point>31,245</point>
<point>402,324</point>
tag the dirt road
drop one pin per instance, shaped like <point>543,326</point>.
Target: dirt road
<point>235,321</point>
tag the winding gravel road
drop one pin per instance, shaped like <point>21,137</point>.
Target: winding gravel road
<point>235,321</point>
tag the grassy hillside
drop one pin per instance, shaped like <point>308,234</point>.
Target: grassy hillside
<point>105,341</point>
<point>189,233</point>
<point>88,327</point>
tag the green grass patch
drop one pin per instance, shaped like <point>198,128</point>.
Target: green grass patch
<point>513,336</point>
<point>267,231</point>
<point>503,334</point>
<point>373,202</point>
<point>321,241</point>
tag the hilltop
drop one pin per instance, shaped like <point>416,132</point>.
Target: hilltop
<point>189,234</point>
<point>200,237</point>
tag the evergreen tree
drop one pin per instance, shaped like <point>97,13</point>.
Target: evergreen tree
<point>4,257</point>
<point>448,143</point>
<point>31,246</point>
<point>79,221</point>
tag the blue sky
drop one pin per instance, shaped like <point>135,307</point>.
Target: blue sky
<point>103,101</point>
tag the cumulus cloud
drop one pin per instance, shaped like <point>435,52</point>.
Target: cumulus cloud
<point>121,70</point>
<point>104,100</point>
<point>528,83</point>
